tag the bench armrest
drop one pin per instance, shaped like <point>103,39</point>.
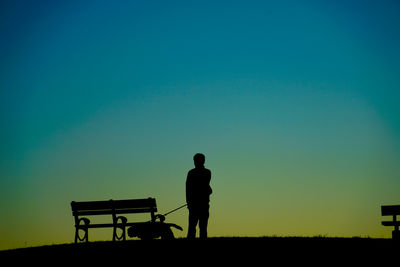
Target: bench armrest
<point>85,221</point>
<point>123,219</point>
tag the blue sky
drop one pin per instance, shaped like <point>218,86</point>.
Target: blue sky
<point>294,103</point>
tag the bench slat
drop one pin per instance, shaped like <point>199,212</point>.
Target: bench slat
<point>110,211</point>
<point>391,223</point>
<point>98,225</point>
<point>116,204</point>
<point>91,205</point>
<point>390,210</point>
<point>92,212</point>
<point>103,225</point>
<point>126,211</point>
<point>135,203</point>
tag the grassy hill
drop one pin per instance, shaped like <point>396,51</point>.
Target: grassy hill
<point>229,250</point>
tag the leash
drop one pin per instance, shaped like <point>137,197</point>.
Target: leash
<point>161,217</point>
<point>165,214</point>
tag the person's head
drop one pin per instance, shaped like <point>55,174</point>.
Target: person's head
<point>199,160</point>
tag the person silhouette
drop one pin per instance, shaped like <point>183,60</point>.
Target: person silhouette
<point>198,191</point>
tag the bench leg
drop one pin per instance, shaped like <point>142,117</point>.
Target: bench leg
<point>396,235</point>
<point>123,235</point>
<point>85,237</point>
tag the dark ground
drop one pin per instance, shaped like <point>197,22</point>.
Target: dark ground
<point>247,251</point>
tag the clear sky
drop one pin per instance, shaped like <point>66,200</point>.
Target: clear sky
<point>294,103</point>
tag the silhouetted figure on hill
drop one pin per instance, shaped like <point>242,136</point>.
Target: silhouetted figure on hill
<point>198,193</point>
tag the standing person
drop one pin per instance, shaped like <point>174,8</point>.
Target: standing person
<point>198,191</point>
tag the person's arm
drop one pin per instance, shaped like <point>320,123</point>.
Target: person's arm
<point>209,186</point>
<point>188,189</point>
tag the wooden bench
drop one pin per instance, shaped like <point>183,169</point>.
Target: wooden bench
<point>392,210</point>
<point>113,208</point>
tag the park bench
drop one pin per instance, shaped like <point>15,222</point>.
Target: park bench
<point>110,207</point>
<point>392,210</point>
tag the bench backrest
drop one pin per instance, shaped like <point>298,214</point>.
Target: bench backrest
<point>114,207</point>
<point>390,210</point>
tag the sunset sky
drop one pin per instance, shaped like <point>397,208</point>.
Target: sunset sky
<point>294,103</point>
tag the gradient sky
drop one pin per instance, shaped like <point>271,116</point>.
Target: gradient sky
<point>294,103</point>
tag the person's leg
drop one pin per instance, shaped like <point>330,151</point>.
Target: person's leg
<point>193,219</point>
<point>203,222</point>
